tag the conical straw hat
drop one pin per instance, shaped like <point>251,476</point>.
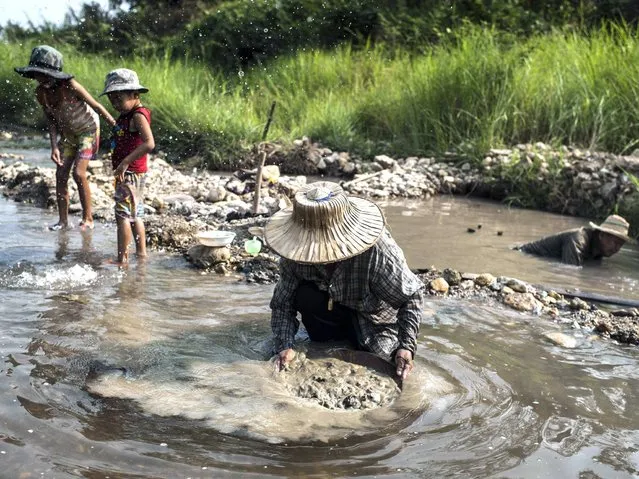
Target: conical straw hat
<point>615,225</point>
<point>324,225</point>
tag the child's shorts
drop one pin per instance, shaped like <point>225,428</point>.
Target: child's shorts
<point>80,146</point>
<point>129,196</point>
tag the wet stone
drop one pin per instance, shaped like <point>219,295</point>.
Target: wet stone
<point>561,339</point>
<point>467,284</point>
<point>484,279</point>
<point>578,304</point>
<point>206,257</point>
<point>439,285</point>
<point>452,277</point>
<point>522,302</point>
<point>517,286</point>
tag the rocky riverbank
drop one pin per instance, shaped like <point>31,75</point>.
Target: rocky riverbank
<point>179,205</point>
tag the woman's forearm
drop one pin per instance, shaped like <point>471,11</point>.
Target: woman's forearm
<point>53,135</point>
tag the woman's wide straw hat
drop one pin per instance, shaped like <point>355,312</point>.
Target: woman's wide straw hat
<point>615,225</point>
<point>324,225</point>
<point>45,60</point>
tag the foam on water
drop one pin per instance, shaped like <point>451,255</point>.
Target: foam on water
<point>52,278</point>
<point>248,399</point>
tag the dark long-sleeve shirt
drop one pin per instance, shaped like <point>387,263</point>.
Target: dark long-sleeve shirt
<point>571,247</point>
<point>377,284</point>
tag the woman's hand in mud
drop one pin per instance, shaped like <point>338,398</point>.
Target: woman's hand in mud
<point>283,359</point>
<point>55,156</point>
<point>404,362</point>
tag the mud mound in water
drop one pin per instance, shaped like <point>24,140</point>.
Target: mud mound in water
<point>343,380</point>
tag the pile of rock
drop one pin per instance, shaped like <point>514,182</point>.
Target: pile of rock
<point>620,324</point>
<point>568,180</point>
<point>211,198</point>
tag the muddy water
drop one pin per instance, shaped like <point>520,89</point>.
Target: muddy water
<point>160,371</point>
<point>435,232</point>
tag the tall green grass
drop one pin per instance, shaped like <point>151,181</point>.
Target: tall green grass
<point>475,91</point>
<point>629,207</point>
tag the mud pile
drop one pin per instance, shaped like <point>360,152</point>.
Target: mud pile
<point>344,380</point>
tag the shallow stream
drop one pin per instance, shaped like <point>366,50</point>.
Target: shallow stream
<point>184,389</point>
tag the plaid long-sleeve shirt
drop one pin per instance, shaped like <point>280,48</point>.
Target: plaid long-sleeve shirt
<point>377,284</point>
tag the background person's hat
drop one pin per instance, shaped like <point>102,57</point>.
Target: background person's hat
<point>615,225</point>
<point>324,225</point>
<point>46,60</point>
<point>122,79</point>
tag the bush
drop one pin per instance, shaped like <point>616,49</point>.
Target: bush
<point>629,207</point>
<point>235,33</point>
<point>17,94</point>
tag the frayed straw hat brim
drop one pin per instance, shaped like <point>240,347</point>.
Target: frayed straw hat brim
<point>613,233</point>
<point>358,231</point>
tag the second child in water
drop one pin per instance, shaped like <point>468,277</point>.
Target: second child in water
<point>133,140</point>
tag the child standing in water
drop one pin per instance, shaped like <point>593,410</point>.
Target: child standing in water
<point>133,140</point>
<point>71,114</point>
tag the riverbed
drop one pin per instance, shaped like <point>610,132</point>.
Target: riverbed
<point>189,392</point>
<point>436,232</point>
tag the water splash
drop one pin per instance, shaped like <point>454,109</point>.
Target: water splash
<point>27,276</point>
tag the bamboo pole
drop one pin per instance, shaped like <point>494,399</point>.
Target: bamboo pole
<point>262,159</point>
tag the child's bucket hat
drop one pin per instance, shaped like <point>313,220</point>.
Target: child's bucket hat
<point>122,79</point>
<point>45,60</point>
<point>324,225</point>
<point>615,225</point>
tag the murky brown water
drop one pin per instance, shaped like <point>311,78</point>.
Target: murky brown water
<point>195,397</point>
<point>435,232</point>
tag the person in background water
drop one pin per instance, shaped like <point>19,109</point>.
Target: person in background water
<point>344,273</point>
<point>71,113</point>
<point>132,141</point>
<point>578,245</point>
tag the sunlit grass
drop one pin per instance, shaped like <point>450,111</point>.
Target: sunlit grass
<point>474,93</point>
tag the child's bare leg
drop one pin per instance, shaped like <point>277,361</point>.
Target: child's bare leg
<point>84,190</point>
<point>124,239</point>
<point>140,238</point>
<point>62,191</point>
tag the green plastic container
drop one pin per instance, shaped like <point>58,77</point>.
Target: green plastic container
<point>253,246</point>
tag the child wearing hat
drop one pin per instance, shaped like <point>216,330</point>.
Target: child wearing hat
<point>132,141</point>
<point>72,113</point>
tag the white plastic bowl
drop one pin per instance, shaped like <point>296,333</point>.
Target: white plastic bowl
<point>215,238</point>
<point>256,231</point>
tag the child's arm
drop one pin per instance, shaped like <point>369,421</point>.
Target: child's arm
<point>81,92</point>
<point>53,129</point>
<point>139,122</point>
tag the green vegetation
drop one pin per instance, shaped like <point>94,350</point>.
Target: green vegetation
<point>232,33</point>
<point>629,207</point>
<point>472,93</point>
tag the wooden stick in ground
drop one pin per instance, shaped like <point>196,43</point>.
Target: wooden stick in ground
<point>262,159</point>
<point>362,178</point>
